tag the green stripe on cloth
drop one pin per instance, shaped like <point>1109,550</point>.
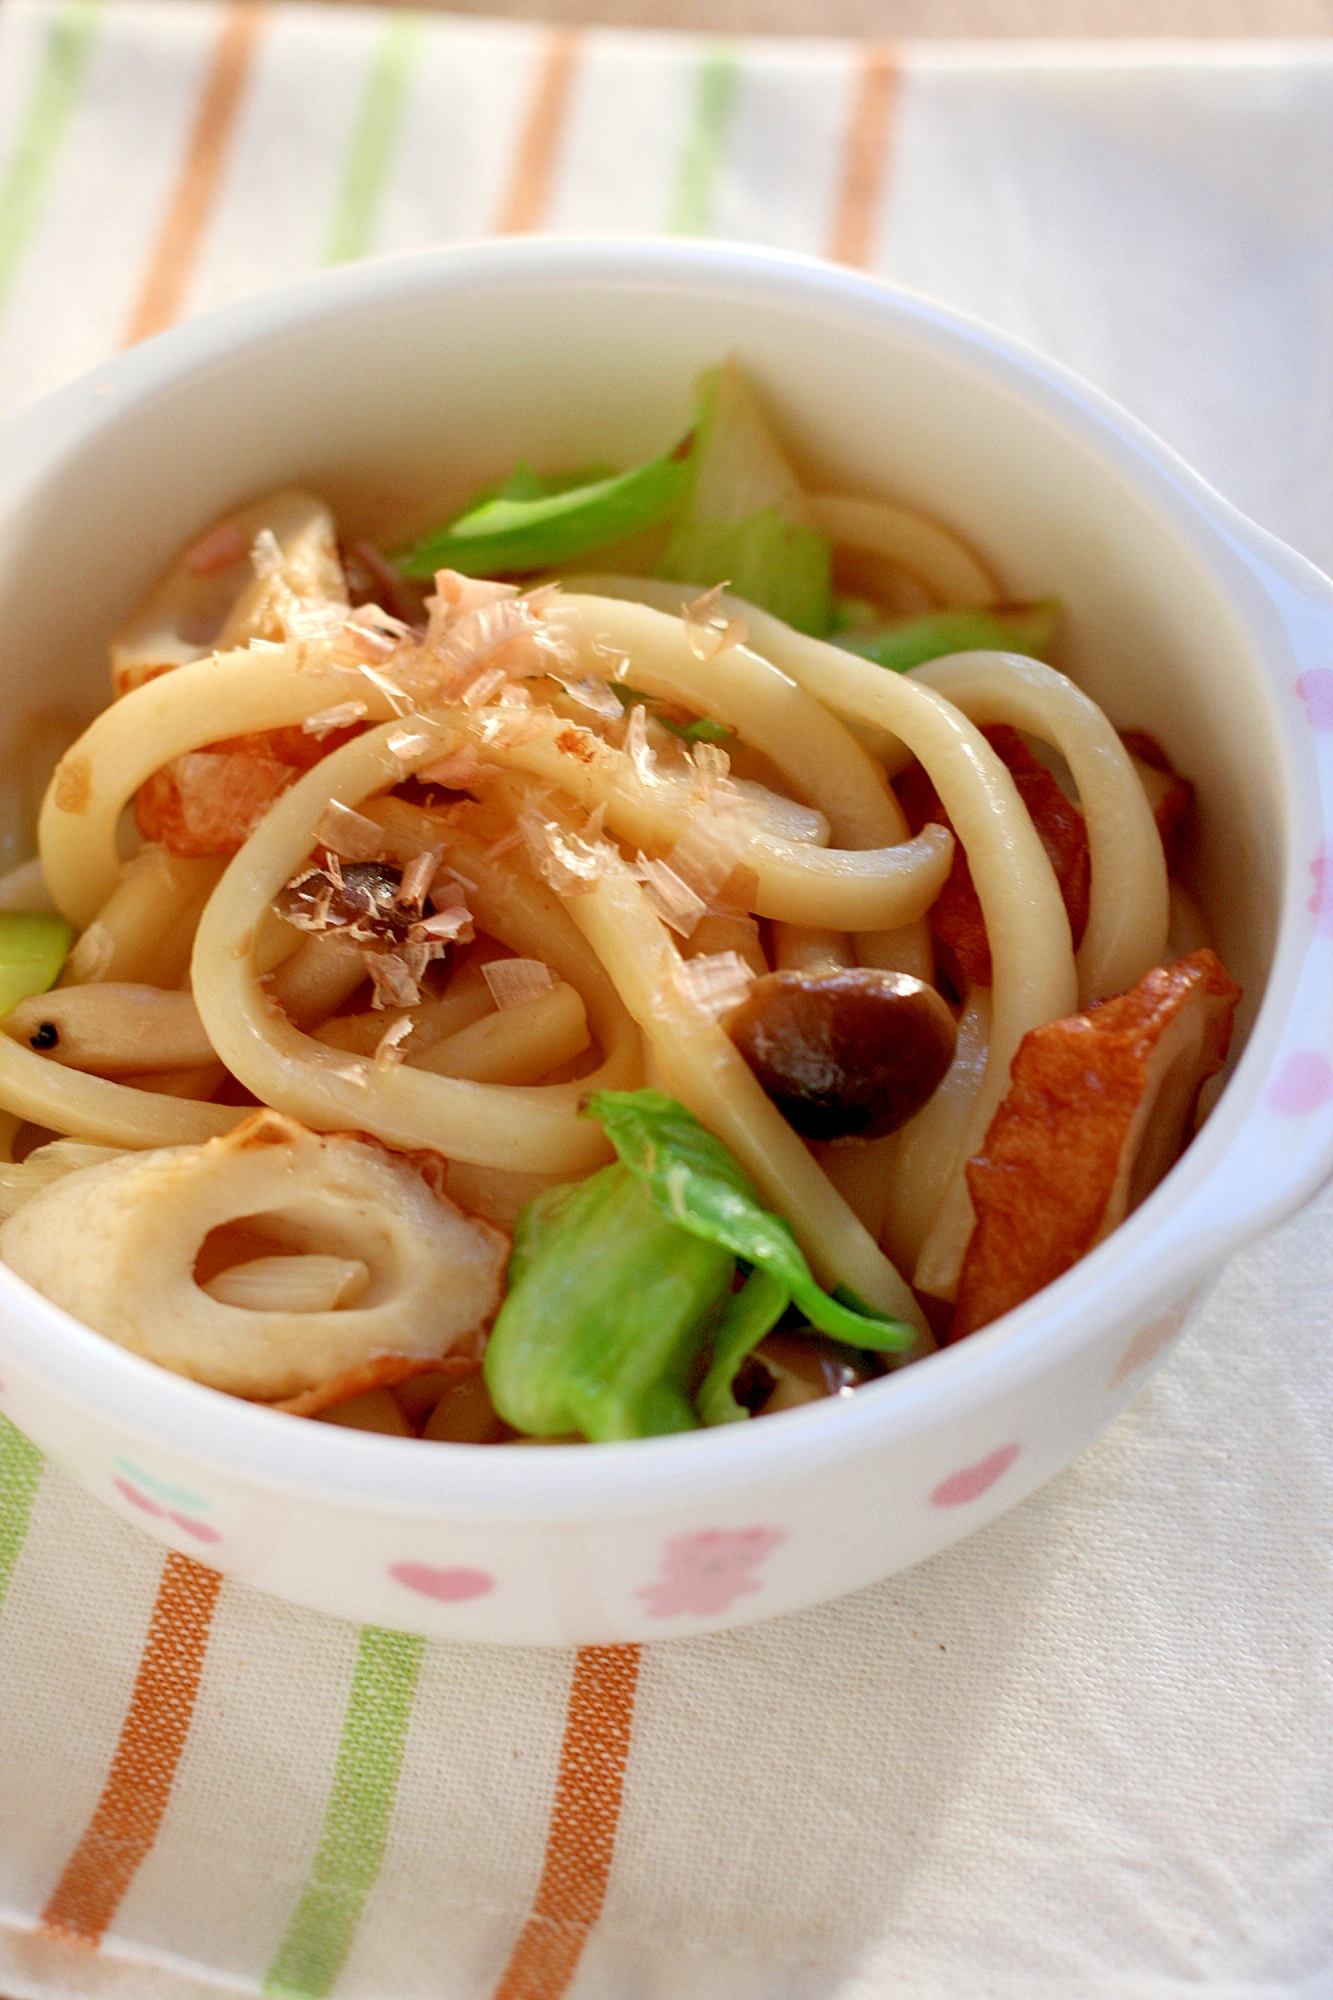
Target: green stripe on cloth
<point>696,188</point>
<point>374,140</point>
<point>59,82</point>
<point>356,1824</point>
<point>20,1476</point>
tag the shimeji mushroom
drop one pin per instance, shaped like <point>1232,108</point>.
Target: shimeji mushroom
<point>846,1053</point>
<point>370,1261</point>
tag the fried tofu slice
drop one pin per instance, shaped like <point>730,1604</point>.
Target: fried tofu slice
<point>955,916</point>
<point>210,801</point>
<point>1099,1108</point>
<point>1169,795</point>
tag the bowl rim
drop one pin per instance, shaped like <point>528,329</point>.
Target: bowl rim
<point>1204,1209</point>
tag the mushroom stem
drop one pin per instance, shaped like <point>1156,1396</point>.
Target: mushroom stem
<point>803,948</point>
<point>114,1029</point>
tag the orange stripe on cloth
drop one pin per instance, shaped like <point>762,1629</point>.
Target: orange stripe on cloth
<point>129,1812</point>
<point>865,158</point>
<point>582,1834</point>
<point>172,263</point>
<point>529,196</point>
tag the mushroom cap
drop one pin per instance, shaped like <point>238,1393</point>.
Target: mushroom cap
<point>851,1052</point>
<point>361,899</point>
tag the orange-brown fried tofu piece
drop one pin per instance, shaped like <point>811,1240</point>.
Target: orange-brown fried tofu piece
<point>1099,1108</point>
<point>955,915</point>
<point>1169,795</point>
<point>210,801</point>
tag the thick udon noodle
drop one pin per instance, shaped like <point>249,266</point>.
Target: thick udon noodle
<point>810,710</point>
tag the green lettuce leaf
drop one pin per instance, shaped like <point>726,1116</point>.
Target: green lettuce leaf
<point>1010,628</point>
<point>609,1311</point>
<point>695,1182</point>
<point>780,565</point>
<point>745,521</point>
<point>750,1313</point>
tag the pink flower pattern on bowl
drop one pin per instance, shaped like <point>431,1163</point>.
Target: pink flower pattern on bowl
<point>1315,689</point>
<point>132,1489</point>
<point>1149,1340</point>
<point>446,1586</point>
<point>705,1573</point>
<point>1321,903</point>
<point>974,1480</point>
<point>1304,1083</point>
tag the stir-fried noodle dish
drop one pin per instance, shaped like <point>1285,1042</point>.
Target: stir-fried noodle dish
<point>664,947</point>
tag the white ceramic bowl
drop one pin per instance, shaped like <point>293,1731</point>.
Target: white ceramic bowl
<point>386,382</point>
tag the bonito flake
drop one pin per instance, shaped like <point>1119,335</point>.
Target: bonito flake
<point>483,687</point>
<point>573,864</point>
<point>454,924</point>
<point>393,981</point>
<point>349,835</point>
<point>456,769</point>
<point>399,699</point>
<point>513,982</point>
<point>405,744</point>
<point>480,625</point>
<point>211,801</point>
<point>712,771</point>
<point>457,595</point>
<point>671,898</point>
<point>328,719</point>
<point>396,974</point>
<point>266,555</point>
<point>311,620</point>
<point>707,633</point>
<point>417,877</point>
<point>713,983</point>
<point>511,726</point>
<point>637,747</point>
<point>715,843</point>
<point>389,1049</point>
<point>591,692</point>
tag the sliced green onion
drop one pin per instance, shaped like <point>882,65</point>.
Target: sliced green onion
<point>704,730</point>
<point>746,520</point>
<point>511,536</point>
<point>525,484</point>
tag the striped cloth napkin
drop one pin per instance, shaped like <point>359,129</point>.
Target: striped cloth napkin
<point>1088,1752</point>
